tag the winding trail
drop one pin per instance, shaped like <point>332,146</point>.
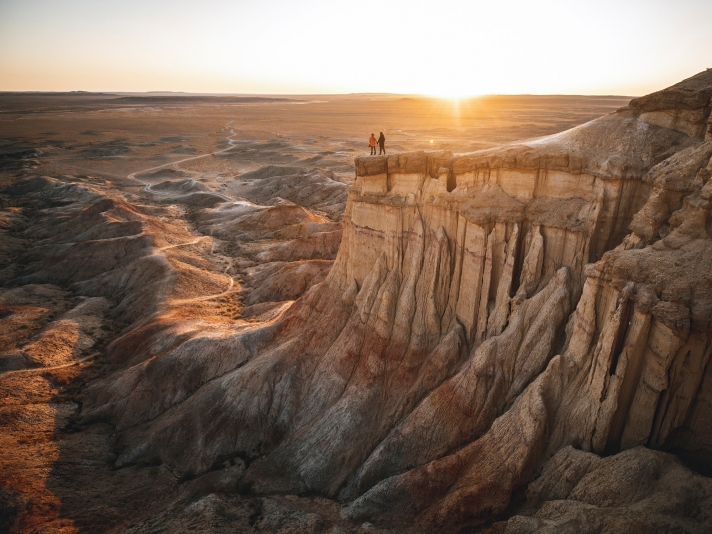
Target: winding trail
<point>51,368</point>
<point>175,166</point>
<point>231,285</point>
<point>187,243</point>
<point>210,297</point>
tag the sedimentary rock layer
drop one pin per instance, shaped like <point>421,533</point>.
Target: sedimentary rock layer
<point>484,312</point>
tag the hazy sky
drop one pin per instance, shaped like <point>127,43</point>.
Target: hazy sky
<point>441,47</point>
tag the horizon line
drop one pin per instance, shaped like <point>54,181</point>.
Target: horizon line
<point>188,93</point>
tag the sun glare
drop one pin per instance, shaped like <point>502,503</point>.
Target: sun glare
<point>459,85</point>
<point>454,94</point>
<point>454,107</point>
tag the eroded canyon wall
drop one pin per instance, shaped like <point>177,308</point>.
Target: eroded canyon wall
<point>484,312</point>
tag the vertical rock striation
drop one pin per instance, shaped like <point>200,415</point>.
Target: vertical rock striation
<point>484,312</point>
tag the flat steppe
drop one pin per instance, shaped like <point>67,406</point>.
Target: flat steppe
<point>111,136</point>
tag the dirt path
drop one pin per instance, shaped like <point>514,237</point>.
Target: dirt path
<point>215,296</point>
<point>20,372</point>
<point>175,164</point>
<point>194,242</point>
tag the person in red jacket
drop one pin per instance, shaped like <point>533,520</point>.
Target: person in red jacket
<point>372,144</point>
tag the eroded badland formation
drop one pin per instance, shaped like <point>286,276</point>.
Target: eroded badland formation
<point>515,339</point>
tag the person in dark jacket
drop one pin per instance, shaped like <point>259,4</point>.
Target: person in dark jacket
<point>382,144</point>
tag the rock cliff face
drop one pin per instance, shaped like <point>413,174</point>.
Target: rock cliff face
<point>484,312</point>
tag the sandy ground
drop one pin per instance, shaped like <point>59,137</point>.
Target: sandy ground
<point>178,158</point>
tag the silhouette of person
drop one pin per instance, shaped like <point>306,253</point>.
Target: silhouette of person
<point>382,144</point>
<point>372,144</point>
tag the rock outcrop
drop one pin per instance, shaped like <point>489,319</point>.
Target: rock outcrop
<point>636,491</point>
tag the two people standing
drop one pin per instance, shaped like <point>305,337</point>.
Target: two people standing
<point>381,144</point>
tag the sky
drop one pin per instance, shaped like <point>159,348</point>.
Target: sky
<point>439,47</point>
